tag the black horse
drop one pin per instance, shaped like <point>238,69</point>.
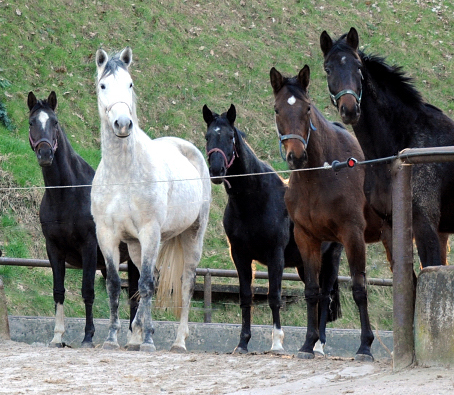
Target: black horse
<point>258,226</point>
<point>65,216</point>
<point>388,114</point>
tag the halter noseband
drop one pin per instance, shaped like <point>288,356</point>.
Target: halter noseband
<point>335,98</point>
<point>35,144</point>
<point>297,137</point>
<point>109,108</point>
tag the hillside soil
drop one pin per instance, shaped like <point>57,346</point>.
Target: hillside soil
<point>40,370</point>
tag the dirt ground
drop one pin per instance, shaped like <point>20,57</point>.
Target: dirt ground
<point>28,369</point>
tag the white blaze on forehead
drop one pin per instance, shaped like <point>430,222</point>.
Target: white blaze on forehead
<point>43,117</point>
<point>343,60</point>
<point>291,100</point>
<point>217,129</point>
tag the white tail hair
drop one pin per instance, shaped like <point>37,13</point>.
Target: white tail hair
<point>170,265</point>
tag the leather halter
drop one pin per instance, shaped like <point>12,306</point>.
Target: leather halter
<point>297,137</point>
<point>226,161</point>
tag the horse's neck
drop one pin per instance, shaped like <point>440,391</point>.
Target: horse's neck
<point>317,149</point>
<point>375,131</point>
<point>66,168</point>
<point>118,154</point>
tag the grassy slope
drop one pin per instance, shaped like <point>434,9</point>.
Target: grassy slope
<point>186,54</point>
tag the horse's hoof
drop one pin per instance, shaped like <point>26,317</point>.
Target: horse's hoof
<point>87,345</point>
<point>147,347</point>
<point>55,345</point>
<point>178,349</point>
<point>133,347</point>
<point>305,355</point>
<point>240,350</point>
<point>364,358</point>
<point>319,348</point>
<point>110,346</point>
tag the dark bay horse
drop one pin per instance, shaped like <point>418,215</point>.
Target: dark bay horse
<point>65,215</point>
<point>259,228</point>
<point>388,114</point>
<point>324,205</point>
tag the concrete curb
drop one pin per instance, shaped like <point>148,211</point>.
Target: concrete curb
<point>220,338</point>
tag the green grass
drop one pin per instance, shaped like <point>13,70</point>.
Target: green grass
<point>186,54</point>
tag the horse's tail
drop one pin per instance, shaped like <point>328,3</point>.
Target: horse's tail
<point>334,310</point>
<point>170,265</point>
<point>329,281</point>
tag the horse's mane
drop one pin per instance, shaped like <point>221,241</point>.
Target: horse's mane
<point>389,77</point>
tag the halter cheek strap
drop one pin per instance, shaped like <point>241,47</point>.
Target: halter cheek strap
<point>297,137</point>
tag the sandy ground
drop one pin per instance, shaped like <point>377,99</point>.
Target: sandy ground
<point>29,369</point>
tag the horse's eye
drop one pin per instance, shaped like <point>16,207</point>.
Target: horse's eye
<point>327,71</point>
<point>102,86</point>
<point>131,85</point>
<point>276,110</point>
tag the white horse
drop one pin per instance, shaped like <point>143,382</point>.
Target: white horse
<point>155,196</point>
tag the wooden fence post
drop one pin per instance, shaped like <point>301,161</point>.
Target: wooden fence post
<point>4,325</point>
<point>403,287</point>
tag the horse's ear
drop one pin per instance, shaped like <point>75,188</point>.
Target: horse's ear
<point>126,56</point>
<point>31,100</point>
<point>52,100</point>
<point>353,39</point>
<point>304,76</point>
<point>276,80</point>
<point>208,115</point>
<point>101,59</point>
<point>326,43</point>
<point>231,114</point>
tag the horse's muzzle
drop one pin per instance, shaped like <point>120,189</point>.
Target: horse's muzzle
<point>294,162</point>
<point>123,126</point>
<point>45,155</point>
<point>350,113</point>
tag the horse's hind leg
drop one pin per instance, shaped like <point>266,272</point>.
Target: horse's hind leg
<point>89,259</point>
<point>192,245</point>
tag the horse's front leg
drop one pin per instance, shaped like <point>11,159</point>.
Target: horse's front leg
<point>355,249</point>
<point>110,250</point>
<point>310,253</point>
<point>57,261</point>
<point>244,269</point>
<point>89,260</point>
<point>329,304</point>
<point>275,271</point>
<point>142,326</point>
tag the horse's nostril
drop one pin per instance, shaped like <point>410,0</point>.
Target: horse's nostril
<point>130,125</point>
<point>116,124</point>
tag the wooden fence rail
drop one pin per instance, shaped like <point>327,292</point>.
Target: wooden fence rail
<point>206,273</point>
